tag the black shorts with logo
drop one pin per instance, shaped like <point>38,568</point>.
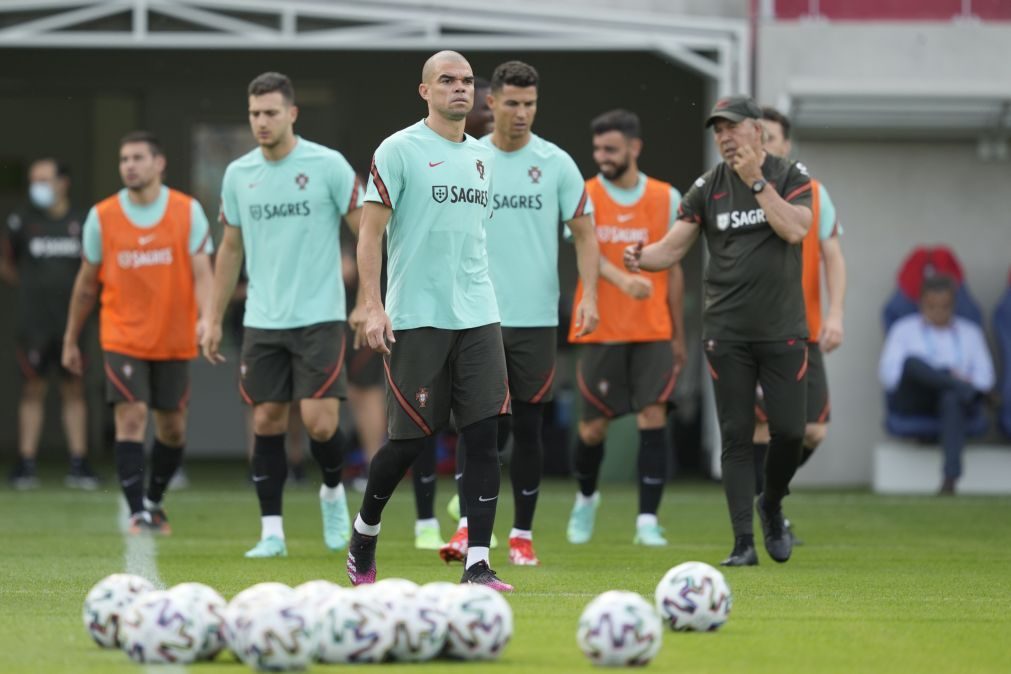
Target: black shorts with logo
<point>617,379</point>
<point>293,364</point>
<point>530,362</point>
<point>432,372</point>
<point>819,407</point>
<point>39,355</point>
<point>161,384</point>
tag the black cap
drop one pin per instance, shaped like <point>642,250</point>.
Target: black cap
<point>734,108</point>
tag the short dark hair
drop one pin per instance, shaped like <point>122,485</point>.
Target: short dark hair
<point>267,83</point>
<point>515,73</point>
<point>771,114</point>
<point>143,137</point>
<point>617,120</point>
<point>939,283</point>
<point>62,167</point>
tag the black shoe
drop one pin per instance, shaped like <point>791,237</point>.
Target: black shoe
<point>481,574</point>
<point>80,476</point>
<point>778,542</point>
<point>743,554</point>
<point>23,475</point>
<point>361,563</point>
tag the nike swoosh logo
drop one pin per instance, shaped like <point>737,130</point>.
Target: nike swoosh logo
<point>652,480</point>
<point>625,217</point>
<point>719,195</point>
<point>381,498</point>
<point>253,185</point>
<point>434,164</point>
<point>482,499</point>
<point>132,481</point>
<point>529,493</point>
<point>144,240</point>
<point>427,479</point>
<point>260,478</point>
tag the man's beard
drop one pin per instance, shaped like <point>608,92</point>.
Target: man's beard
<point>614,173</point>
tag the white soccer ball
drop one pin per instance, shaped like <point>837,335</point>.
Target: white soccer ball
<point>207,609</point>
<point>277,634</point>
<point>354,626</point>
<point>480,623</point>
<point>105,602</point>
<point>693,596</point>
<point>312,594</point>
<point>157,627</point>
<point>243,603</point>
<point>420,624</point>
<point>619,629</point>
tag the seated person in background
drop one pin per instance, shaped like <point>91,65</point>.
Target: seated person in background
<point>935,363</point>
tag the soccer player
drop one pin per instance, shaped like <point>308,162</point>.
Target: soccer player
<point>149,247</point>
<point>630,363</point>
<point>537,185</point>
<point>41,253</point>
<point>480,121</point>
<point>430,183</point>
<point>282,205</point>
<point>754,209</point>
<point>821,246</point>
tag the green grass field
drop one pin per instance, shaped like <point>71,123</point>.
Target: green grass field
<point>882,584</point>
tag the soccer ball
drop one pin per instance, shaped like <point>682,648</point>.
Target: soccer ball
<point>480,623</point>
<point>277,634</point>
<point>619,629</point>
<point>158,628</point>
<point>314,593</point>
<point>693,596</point>
<point>242,604</point>
<point>420,625</point>
<point>354,626</point>
<point>105,602</point>
<point>207,608</point>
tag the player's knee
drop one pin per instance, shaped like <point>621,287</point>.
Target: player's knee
<point>481,440</point>
<point>131,420</point>
<point>33,390</point>
<point>814,435</point>
<point>593,432</point>
<point>761,435</point>
<point>172,436</point>
<point>788,436</point>
<point>653,416</point>
<point>270,419</point>
<point>321,428</point>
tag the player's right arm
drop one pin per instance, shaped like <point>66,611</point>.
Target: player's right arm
<point>227,266</point>
<point>378,328</point>
<point>635,286</point>
<point>666,252</point>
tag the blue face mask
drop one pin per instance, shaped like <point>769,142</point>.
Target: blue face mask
<point>42,194</point>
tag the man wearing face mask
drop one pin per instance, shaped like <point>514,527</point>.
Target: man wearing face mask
<point>41,252</point>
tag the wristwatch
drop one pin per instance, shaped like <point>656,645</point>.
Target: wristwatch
<point>758,185</point>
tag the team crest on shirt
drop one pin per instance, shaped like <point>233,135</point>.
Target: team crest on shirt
<point>603,386</point>
<point>256,211</point>
<point>422,396</point>
<point>535,175</point>
<point>710,345</point>
<point>301,180</point>
<point>439,193</point>
<point>127,370</point>
<point>480,168</point>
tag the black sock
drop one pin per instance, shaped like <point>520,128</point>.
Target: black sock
<point>330,456</point>
<point>130,470</point>
<point>76,462</point>
<point>587,466</point>
<point>525,468</point>
<point>761,449</point>
<point>652,469</point>
<point>388,468</point>
<point>744,541</point>
<point>165,461</point>
<point>805,454</point>
<point>461,464</point>
<point>481,480</point>
<point>270,470</point>
<point>423,476</point>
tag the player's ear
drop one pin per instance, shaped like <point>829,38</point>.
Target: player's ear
<point>294,113</point>
<point>635,146</point>
<point>423,90</point>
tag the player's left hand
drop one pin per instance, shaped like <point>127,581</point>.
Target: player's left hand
<point>587,317</point>
<point>748,164</point>
<point>831,336</point>
<point>680,354</point>
<point>210,341</point>
<point>379,331</point>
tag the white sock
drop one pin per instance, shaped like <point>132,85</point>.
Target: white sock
<point>644,520</point>
<point>521,533</point>
<point>462,524</point>
<point>150,505</point>
<point>365,529</point>
<point>587,500</point>
<point>421,525</point>
<point>475,555</point>
<point>331,493</point>
<point>272,525</point>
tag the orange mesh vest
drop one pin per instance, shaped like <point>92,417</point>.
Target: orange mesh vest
<point>811,267</point>
<point>623,319</point>
<point>149,308</point>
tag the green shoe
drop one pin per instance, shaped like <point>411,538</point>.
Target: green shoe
<point>453,507</point>
<point>580,528</point>
<point>427,537</point>
<point>336,521</point>
<point>650,535</point>
<point>271,546</point>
